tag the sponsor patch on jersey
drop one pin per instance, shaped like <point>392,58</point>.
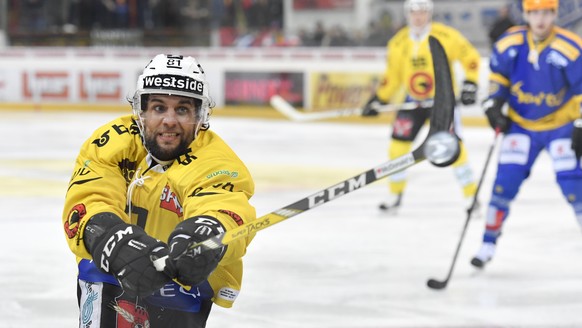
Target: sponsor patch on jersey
<point>232,174</point>
<point>563,157</point>
<point>515,149</point>
<point>403,127</point>
<point>493,88</point>
<point>75,216</point>
<point>239,221</point>
<point>473,65</point>
<point>538,99</point>
<point>421,85</point>
<point>228,294</point>
<point>169,201</point>
<point>90,299</point>
<point>131,315</point>
<point>556,59</point>
<point>173,82</point>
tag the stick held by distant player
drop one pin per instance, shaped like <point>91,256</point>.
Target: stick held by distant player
<point>285,108</point>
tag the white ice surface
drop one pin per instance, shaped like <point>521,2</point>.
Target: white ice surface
<point>342,264</point>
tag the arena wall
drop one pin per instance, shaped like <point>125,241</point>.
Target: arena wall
<point>241,80</point>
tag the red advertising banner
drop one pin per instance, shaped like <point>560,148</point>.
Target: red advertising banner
<point>96,85</point>
<point>46,85</point>
<point>92,86</point>
<point>257,88</point>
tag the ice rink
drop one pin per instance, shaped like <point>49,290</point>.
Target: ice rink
<point>342,264</point>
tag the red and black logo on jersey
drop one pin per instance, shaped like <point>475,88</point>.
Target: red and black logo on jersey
<point>170,202</point>
<point>421,85</point>
<point>131,315</point>
<point>239,221</point>
<point>402,127</point>
<point>75,216</point>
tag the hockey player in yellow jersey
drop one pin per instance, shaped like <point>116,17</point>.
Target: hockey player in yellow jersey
<point>409,77</point>
<point>145,187</point>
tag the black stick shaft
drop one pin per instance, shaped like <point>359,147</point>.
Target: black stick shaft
<point>436,284</point>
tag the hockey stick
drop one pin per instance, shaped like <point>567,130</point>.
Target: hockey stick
<point>291,112</point>
<point>440,284</point>
<point>441,120</point>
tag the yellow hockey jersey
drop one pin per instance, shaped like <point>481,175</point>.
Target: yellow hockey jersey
<point>409,73</point>
<point>208,180</point>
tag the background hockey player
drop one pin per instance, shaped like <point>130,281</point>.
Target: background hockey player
<point>409,77</point>
<point>536,70</point>
<point>156,178</point>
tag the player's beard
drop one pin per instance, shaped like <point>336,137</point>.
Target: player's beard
<point>165,154</point>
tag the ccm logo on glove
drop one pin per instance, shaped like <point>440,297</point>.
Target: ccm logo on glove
<point>112,242</point>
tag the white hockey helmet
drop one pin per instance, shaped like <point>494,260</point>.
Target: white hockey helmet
<point>173,75</point>
<point>415,5</point>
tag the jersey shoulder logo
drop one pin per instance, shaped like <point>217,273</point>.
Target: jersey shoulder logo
<point>556,59</point>
<point>74,218</point>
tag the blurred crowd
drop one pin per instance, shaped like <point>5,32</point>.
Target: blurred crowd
<point>82,15</point>
<point>235,23</point>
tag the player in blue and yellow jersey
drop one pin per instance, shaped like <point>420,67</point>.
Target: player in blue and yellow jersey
<point>409,77</point>
<point>537,71</point>
<point>145,187</point>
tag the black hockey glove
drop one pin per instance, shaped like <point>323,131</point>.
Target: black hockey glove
<point>194,265</point>
<point>577,138</point>
<point>497,120</point>
<point>469,93</point>
<point>126,252</point>
<point>370,107</point>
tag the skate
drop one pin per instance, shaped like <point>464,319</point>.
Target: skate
<point>392,204</point>
<point>484,255</point>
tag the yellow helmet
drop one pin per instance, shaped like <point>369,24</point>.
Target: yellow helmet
<point>540,4</point>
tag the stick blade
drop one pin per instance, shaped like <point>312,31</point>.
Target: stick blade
<point>441,118</point>
<point>436,284</point>
<point>283,107</point>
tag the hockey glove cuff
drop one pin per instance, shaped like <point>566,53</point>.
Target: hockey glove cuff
<point>126,252</point>
<point>469,93</point>
<point>497,120</point>
<point>370,109</point>
<point>194,265</point>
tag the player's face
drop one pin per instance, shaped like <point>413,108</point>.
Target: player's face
<point>541,22</point>
<point>170,123</point>
<point>418,19</point>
